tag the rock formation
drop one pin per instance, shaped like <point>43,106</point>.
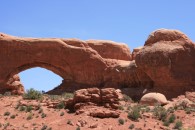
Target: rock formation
<point>168,58</point>
<point>164,64</point>
<point>95,102</point>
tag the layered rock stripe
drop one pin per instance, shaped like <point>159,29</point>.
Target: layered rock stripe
<point>165,64</point>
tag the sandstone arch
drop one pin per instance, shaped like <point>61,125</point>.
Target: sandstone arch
<point>72,59</point>
<point>164,64</point>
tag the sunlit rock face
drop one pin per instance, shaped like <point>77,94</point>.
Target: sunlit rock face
<point>164,64</point>
<point>168,58</point>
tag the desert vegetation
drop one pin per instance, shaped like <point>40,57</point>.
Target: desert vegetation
<point>34,106</point>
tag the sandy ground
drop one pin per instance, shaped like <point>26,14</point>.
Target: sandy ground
<point>55,120</point>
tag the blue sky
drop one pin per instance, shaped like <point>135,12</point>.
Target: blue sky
<point>127,21</point>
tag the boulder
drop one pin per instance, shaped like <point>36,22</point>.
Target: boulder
<point>153,99</point>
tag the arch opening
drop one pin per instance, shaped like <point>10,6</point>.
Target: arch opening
<point>39,78</point>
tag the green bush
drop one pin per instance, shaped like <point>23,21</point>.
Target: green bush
<point>29,117</point>
<point>67,95</point>
<point>170,110</point>
<point>166,123</point>
<point>22,108</point>
<point>178,125</point>
<point>54,97</point>
<point>78,128</point>
<point>7,94</point>
<point>29,108</point>
<point>40,110</point>
<point>172,118</point>
<point>121,108</point>
<point>69,122</point>
<point>44,127</point>
<point>62,113</point>
<point>12,116</point>
<point>32,94</point>
<point>49,128</point>
<point>43,115</point>
<point>134,114</point>
<point>121,121</point>
<point>160,113</point>
<point>6,113</point>
<point>131,126</point>
<point>61,105</point>
<point>126,98</point>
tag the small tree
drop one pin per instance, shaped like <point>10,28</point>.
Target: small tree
<point>32,94</point>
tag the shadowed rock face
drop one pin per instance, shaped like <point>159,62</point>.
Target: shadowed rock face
<point>166,62</point>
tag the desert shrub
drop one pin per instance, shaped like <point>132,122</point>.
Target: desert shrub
<point>60,105</point>
<point>7,93</point>
<point>43,115</point>
<point>62,113</point>
<point>54,97</point>
<point>44,127</point>
<point>189,110</point>
<point>178,125</point>
<point>172,118</point>
<point>120,107</point>
<point>129,108</point>
<point>6,113</point>
<point>6,125</point>
<point>29,117</point>
<point>131,126</point>
<point>67,95</point>
<point>40,110</point>
<point>29,108</point>
<point>170,110</point>
<point>166,123</point>
<point>134,114</point>
<point>147,109</point>
<point>22,108</point>
<point>78,128</point>
<point>49,128</point>
<point>144,108</point>
<point>121,121</point>
<point>12,116</point>
<point>126,98</point>
<point>160,112</point>
<point>181,106</point>
<point>69,122</point>
<point>32,94</point>
<point>17,105</point>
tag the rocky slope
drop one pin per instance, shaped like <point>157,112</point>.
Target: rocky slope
<point>53,112</point>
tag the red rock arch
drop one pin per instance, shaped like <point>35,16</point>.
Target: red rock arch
<point>164,64</point>
<point>74,60</point>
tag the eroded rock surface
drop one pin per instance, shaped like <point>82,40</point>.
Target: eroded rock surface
<point>95,102</point>
<point>168,59</point>
<point>164,64</point>
<point>14,85</point>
